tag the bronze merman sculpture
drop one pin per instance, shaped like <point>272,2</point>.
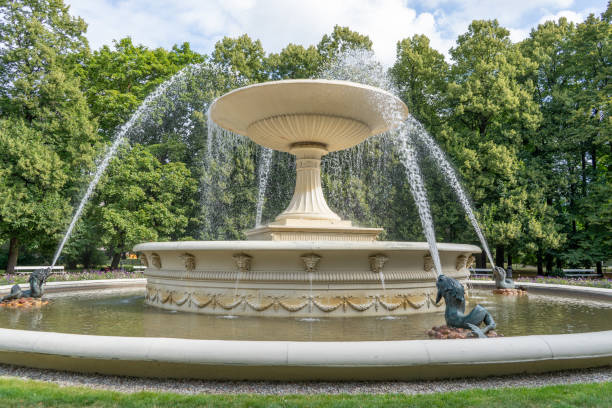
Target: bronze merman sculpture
<point>37,280</point>
<point>454,296</point>
<point>501,280</point>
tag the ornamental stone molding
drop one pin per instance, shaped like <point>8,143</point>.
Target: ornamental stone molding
<point>311,262</point>
<point>299,276</point>
<point>470,262</point>
<point>428,263</point>
<point>144,260</point>
<point>189,260</point>
<point>242,262</point>
<point>342,304</point>
<point>156,260</point>
<point>377,262</point>
<point>460,262</point>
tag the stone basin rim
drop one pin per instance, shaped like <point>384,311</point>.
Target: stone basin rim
<point>291,360</point>
<point>315,82</point>
<point>300,246</point>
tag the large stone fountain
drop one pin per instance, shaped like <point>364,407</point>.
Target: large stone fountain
<point>308,261</point>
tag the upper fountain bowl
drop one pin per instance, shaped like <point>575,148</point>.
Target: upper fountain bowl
<point>281,114</point>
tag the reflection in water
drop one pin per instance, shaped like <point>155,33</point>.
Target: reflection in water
<point>124,313</point>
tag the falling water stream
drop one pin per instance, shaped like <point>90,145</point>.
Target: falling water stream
<point>264,172</point>
<point>451,177</point>
<point>408,156</point>
<point>120,138</point>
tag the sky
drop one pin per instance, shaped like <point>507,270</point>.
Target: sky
<point>163,23</point>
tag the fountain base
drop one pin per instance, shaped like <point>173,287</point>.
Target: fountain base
<point>298,278</point>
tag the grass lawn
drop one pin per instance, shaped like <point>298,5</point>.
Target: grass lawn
<point>27,393</point>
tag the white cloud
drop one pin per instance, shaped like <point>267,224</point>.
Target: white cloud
<point>570,15</point>
<point>278,22</point>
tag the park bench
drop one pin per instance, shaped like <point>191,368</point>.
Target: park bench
<point>580,273</point>
<point>21,270</point>
<point>479,272</point>
<point>139,267</point>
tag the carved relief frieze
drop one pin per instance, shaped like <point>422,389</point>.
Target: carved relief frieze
<point>263,303</point>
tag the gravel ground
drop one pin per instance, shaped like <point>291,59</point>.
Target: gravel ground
<point>132,384</point>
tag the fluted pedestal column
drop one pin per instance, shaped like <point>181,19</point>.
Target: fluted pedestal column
<point>308,202</point>
<point>308,217</point>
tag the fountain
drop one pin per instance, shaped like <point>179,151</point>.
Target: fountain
<point>310,264</point>
<point>307,262</point>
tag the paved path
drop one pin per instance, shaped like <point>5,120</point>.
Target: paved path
<point>131,384</point>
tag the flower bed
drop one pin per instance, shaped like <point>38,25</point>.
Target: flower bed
<point>8,279</point>
<point>594,283</point>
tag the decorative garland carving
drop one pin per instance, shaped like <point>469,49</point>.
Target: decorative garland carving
<point>326,304</point>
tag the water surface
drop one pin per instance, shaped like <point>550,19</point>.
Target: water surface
<point>123,313</point>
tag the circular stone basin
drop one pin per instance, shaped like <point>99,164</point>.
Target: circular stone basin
<point>163,356</point>
<point>337,114</point>
<point>115,312</point>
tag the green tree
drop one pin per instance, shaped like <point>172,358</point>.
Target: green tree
<point>421,74</point>
<point>493,113</point>
<point>340,40</point>
<point>241,58</point>
<point>294,62</point>
<point>118,79</point>
<point>141,199</point>
<point>48,138</point>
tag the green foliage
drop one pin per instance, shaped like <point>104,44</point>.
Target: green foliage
<point>294,61</point>
<point>32,179</point>
<point>340,40</point>
<point>48,140</point>
<point>241,58</point>
<point>141,199</point>
<point>421,74</point>
<point>117,80</point>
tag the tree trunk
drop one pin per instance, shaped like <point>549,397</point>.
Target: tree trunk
<point>115,261</point>
<point>499,256</point>
<point>584,175</point>
<point>599,267</point>
<point>509,267</point>
<point>549,264</point>
<point>481,260</point>
<point>12,255</point>
<point>540,263</point>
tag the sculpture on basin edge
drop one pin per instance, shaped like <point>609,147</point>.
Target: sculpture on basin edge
<point>454,296</point>
<point>501,281</point>
<point>37,280</point>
